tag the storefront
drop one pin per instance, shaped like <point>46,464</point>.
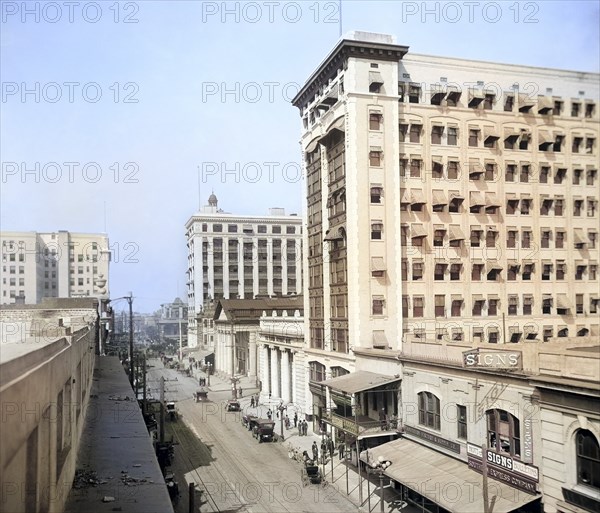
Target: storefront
<point>437,483</point>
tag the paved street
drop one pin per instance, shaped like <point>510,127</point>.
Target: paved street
<point>234,471</point>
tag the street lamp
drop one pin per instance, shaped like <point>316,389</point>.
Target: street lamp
<point>208,366</point>
<point>379,468</point>
<point>129,299</point>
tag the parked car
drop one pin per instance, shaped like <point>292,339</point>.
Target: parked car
<point>232,405</point>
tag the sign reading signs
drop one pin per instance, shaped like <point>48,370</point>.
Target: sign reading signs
<point>504,468</point>
<point>492,359</point>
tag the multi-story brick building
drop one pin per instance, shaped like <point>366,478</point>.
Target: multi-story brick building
<point>58,264</point>
<point>231,256</point>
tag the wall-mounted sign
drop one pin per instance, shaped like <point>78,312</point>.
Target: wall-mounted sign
<point>434,439</point>
<point>504,468</point>
<point>492,359</point>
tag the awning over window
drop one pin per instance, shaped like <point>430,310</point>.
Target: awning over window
<point>579,236</point>
<point>562,302</point>
<point>377,264</point>
<point>476,199</point>
<point>491,200</point>
<point>490,134</point>
<point>475,167</point>
<point>453,93</point>
<point>417,197</point>
<point>492,265</point>
<point>376,149</point>
<point>358,381</point>
<point>511,133</point>
<point>525,101</point>
<point>331,97</point>
<point>375,78</point>
<point>455,233</point>
<point>417,231</point>
<point>476,96</point>
<point>437,160</point>
<point>439,198</point>
<point>405,198</point>
<point>312,145</point>
<point>456,195</point>
<point>545,104</point>
<point>545,137</point>
<point>437,92</point>
<point>379,339</point>
<point>336,232</point>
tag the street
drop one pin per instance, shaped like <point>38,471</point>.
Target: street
<point>231,469</point>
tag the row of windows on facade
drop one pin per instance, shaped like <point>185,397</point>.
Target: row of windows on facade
<point>413,93</point>
<point>527,271</point>
<point>488,137</point>
<point>523,173</point>
<point>490,306</point>
<point>248,229</point>
<point>417,233</point>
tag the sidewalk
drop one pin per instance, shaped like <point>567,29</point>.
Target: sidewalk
<point>344,476</point>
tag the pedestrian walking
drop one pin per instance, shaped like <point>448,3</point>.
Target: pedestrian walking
<point>240,392</point>
<point>341,448</point>
<point>252,402</point>
<point>315,451</point>
<point>287,422</point>
<point>323,450</point>
<point>277,412</point>
<point>269,414</point>
<point>295,419</point>
<point>305,428</point>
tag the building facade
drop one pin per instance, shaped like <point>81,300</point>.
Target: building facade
<point>232,256</point>
<point>173,321</point>
<point>58,264</point>
<point>446,199</point>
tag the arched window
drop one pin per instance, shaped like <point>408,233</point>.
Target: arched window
<point>429,410</point>
<point>504,433</point>
<point>588,459</point>
<point>317,371</point>
<point>338,371</point>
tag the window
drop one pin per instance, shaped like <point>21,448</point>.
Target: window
<point>546,272</point>
<point>378,304</point>
<point>317,371</point>
<point>545,207</point>
<point>558,142</point>
<point>490,239</point>
<point>512,270</point>
<point>440,306</point>
<point>376,230</point>
<point>476,238</point>
<point>404,270</point>
<point>414,93</point>
<point>232,228</point>
<point>403,129</point>
<point>503,432</point>
<point>590,177</point>
<point>561,270</point>
<point>452,137</point>
<point>558,105</point>
<point>560,175</point>
<point>452,170</point>
<point>577,204</point>
<point>476,272</point>
<point>417,270</point>
<point>527,272</point>
<point>580,271</point>
<point>590,110</point>
<point>418,302</point>
<point>558,206</point>
<point>490,172</point>
<point>477,307</point>
<point>461,418</point>
<point>527,305</point>
<point>525,206</point>
<point>455,270</point>
<point>524,176</point>
<point>592,237</point>
<point>526,239</point>
<point>438,237</point>
<point>415,133</point>
<point>439,272</point>
<point>592,206</point>
<point>437,170</point>
<point>559,239</point>
<point>473,137</point>
<point>575,108</point>
<point>545,239</point>
<point>579,303</point>
<point>509,103</point>
<point>511,173</point>
<point>415,168</point>
<point>436,134</point>
<point>456,307</point>
<point>513,303</point>
<point>261,228</point>
<point>493,336</point>
<point>492,307</point>
<point>276,229</point>
<point>375,158</point>
<point>429,410</point>
<point>217,227</point>
<point>376,194</point>
<point>577,142</point>
<point>544,174</point>
<point>375,121</point>
<point>588,459</point>
<point>488,102</point>
<point>524,142</point>
<point>592,272</point>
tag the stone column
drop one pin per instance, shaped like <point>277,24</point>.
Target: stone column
<point>275,392</point>
<point>252,371</point>
<point>285,376</point>
<point>231,352</point>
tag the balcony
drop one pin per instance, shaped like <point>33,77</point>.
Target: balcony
<point>366,425</point>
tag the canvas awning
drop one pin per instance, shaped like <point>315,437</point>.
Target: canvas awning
<point>377,264</point>
<point>405,197</point>
<point>455,233</point>
<point>437,92</point>
<point>331,97</point>
<point>562,302</point>
<point>477,199</point>
<point>312,145</point>
<point>336,232</point>
<point>375,79</point>
<point>417,197</point>
<point>545,104</point>
<point>453,93</point>
<point>475,167</point>
<point>492,265</point>
<point>545,137</point>
<point>579,236</point>
<point>358,381</point>
<point>379,339</point>
<point>417,231</point>
<point>525,101</point>
<point>511,133</point>
<point>490,134</point>
<point>491,200</point>
<point>439,198</point>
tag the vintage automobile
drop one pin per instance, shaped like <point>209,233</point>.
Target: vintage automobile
<point>201,395</point>
<point>232,405</point>
<point>311,474</point>
<point>172,411</point>
<point>248,421</point>
<point>264,430</point>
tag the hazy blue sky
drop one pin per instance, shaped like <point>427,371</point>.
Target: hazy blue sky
<point>160,69</point>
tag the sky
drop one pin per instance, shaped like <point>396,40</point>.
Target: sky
<point>123,117</point>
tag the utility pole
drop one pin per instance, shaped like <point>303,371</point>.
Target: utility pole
<point>488,506</point>
<point>144,408</point>
<point>130,301</point>
<point>162,410</point>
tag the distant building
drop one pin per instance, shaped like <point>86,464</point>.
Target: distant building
<point>173,319</point>
<point>58,264</point>
<point>231,256</point>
